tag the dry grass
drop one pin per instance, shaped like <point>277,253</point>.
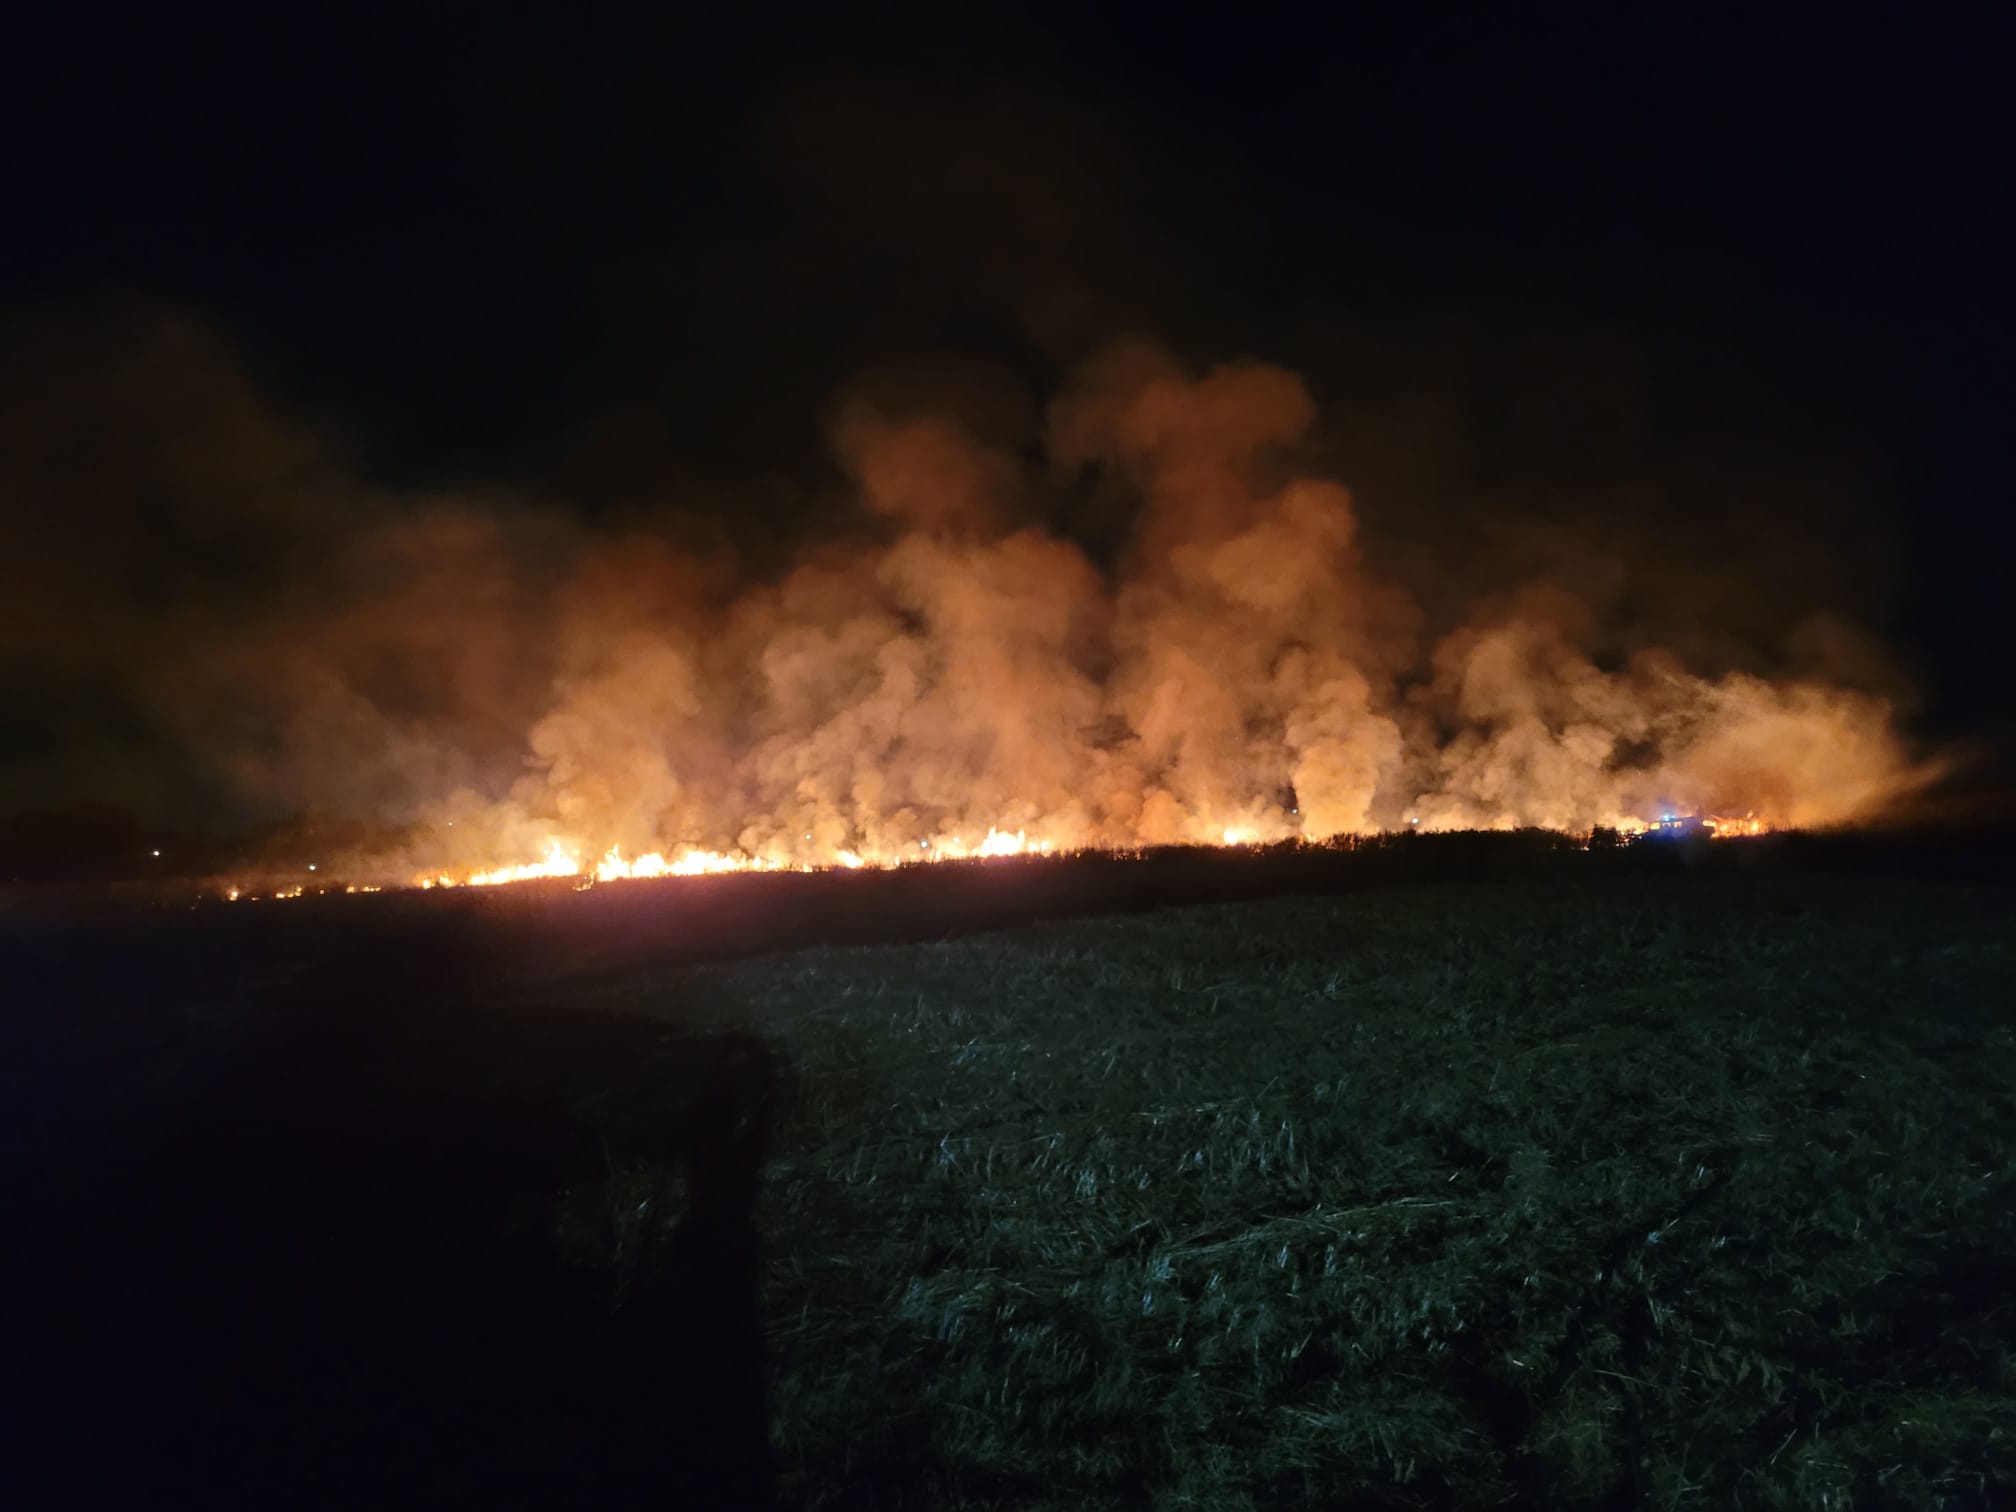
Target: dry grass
<point>1650,1193</point>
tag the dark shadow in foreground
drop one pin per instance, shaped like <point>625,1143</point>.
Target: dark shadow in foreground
<point>329,1273</point>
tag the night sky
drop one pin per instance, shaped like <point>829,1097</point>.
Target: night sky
<point>1713,312</point>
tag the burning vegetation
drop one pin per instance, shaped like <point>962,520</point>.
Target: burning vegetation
<point>1149,617</point>
<point>959,683</point>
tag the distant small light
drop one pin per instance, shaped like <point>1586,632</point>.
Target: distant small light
<point>157,853</point>
<point>1413,821</point>
<point>311,866</point>
<point>808,834</point>
<point>923,845</point>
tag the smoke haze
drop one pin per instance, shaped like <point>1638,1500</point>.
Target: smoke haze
<point>795,444</point>
<point>937,660</point>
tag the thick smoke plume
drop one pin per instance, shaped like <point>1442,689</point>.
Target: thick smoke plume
<point>939,675</point>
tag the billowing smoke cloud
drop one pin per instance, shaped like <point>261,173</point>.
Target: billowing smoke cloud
<point>489,681</point>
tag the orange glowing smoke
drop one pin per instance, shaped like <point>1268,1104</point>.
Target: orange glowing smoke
<point>965,684</point>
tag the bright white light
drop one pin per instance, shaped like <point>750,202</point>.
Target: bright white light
<point>157,853</point>
<point>311,864</point>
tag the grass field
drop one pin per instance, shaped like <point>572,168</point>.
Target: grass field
<point>1661,1194</point>
<point>1663,1191</point>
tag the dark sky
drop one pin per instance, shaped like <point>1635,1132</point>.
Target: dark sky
<point>1738,286</point>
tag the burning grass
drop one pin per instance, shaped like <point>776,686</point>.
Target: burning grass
<point>562,861</point>
<point>1666,1194</point>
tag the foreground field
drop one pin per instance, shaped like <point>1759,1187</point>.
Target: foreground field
<point>1687,1189</point>
<point>1661,1194</point>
